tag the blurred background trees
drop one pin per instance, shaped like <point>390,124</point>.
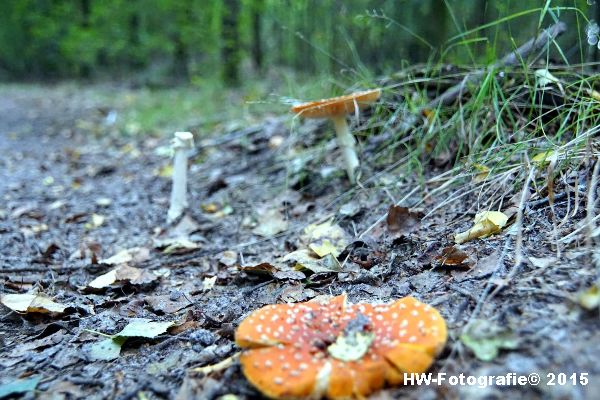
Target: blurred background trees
<point>174,41</point>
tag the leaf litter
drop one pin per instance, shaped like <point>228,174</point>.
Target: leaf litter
<point>210,287</point>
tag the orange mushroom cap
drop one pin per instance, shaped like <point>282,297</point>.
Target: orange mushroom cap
<point>337,105</point>
<point>334,349</point>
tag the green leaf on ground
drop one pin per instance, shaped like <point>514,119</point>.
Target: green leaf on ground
<point>143,327</point>
<point>19,386</point>
<point>107,349</point>
<point>486,339</point>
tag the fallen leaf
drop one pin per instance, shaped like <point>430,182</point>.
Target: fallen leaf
<point>401,220</point>
<point>485,224</point>
<point>208,283</point>
<point>589,298</point>
<point>268,270</point>
<point>486,339</point>
<point>220,366</point>
<point>270,223</point>
<point>350,209</point>
<point>289,275</point>
<point>451,257</point>
<point>325,238</point>
<point>166,304</point>
<point>543,262</point>
<point>107,349</point>
<point>176,239</point>
<point>227,258</point>
<point>124,273</point>
<point>19,386</point>
<point>227,210</point>
<point>110,348</point>
<point>262,269</point>
<point>143,327</point>
<point>133,255</point>
<point>544,78</point>
<point>166,171</point>
<point>103,202</point>
<point>96,221</point>
<point>482,173</point>
<point>304,260</point>
<point>29,303</point>
<point>594,94</point>
<point>104,280</point>
<point>323,248</point>
<point>544,157</point>
<point>229,396</point>
<point>209,208</point>
<point>179,245</point>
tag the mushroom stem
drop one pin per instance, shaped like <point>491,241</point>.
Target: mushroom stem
<point>346,142</point>
<point>181,143</point>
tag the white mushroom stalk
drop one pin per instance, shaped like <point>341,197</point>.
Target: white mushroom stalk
<point>181,144</point>
<point>346,143</point>
<point>336,109</point>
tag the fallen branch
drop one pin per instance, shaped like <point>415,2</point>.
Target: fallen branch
<point>513,58</point>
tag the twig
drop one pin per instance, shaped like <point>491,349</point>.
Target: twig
<point>513,58</point>
<point>519,240</point>
<point>591,207</point>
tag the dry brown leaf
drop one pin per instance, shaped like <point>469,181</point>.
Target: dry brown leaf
<point>452,257</point>
<point>401,220</point>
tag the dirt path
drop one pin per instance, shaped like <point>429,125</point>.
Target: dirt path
<point>58,170</point>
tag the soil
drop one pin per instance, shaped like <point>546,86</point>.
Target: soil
<point>62,163</point>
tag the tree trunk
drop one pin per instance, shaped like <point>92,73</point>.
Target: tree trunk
<point>230,51</point>
<point>257,49</point>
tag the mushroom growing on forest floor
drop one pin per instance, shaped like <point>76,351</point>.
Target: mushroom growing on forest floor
<point>332,349</point>
<point>181,144</point>
<point>336,109</point>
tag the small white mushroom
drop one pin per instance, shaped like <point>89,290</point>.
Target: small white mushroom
<point>181,144</point>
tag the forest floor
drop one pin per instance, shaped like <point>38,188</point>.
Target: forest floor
<point>74,195</point>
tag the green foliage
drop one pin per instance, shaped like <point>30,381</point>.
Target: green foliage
<point>182,40</point>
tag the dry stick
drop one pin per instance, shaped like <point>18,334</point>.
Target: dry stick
<point>591,210</point>
<point>513,58</point>
<point>519,240</point>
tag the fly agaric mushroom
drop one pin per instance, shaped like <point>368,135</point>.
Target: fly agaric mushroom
<point>337,350</point>
<point>336,108</point>
<point>181,144</point>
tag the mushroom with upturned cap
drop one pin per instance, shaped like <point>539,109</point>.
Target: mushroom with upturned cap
<point>336,109</point>
<point>332,349</point>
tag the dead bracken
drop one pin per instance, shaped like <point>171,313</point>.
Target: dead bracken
<point>329,348</point>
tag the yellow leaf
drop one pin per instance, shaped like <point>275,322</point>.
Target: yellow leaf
<point>26,303</point>
<point>97,220</point>
<point>166,171</point>
<point>543,158</point>
<point>324,248</point>
<point>325,238</point>
<point>209,208</point>
<point>595,94</point>
<point>485,224</point>
<point>482,173</point>
<point>590,298</point>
